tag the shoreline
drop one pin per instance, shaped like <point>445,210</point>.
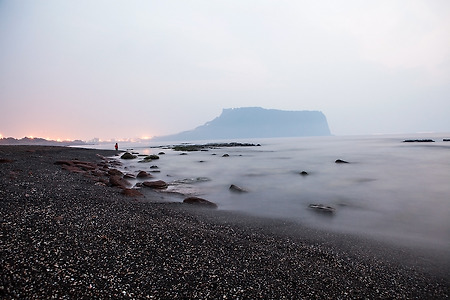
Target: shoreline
<point>64,235</point>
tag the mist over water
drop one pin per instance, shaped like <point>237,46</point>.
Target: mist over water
<point>389,189</point>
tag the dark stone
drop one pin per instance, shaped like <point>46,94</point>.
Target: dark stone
<point>199,201</point>
<point>340,161</point>
<point>158,184</point>
<point>161,153</point>
<point>446,140</point>
<point>322,208</point>
<point>304,173</point>
<point>237,189</point>
<point>115,172</point>
<point>225,155</point>
<point>128,155</point>
<point>116,180</point>
<point>132,193</point>
<point>143,174</point>
<point>419,141</point>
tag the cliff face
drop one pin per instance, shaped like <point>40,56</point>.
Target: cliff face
<point>256,122</point>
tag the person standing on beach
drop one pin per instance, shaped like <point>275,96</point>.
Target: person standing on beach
<point>116,146</point>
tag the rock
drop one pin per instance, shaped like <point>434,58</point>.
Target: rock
<point>116,180</point>
<point>73,168</point>
<point>322,208</point>
<point>161,153</point>
<point>64,162</point>
<point>151,157</point>
<point>86,166</point>
<point>225,155</point>
<point>419,141</point>
<point>199,201</point>
<point>446,140</point>
<point>143,174</point>
<point>129,176</point>
<point>128,155</point>
<point>115,172</point>
<point>340,161</point>
<point>154,167</point>
<point>132,193</point>
<point>158,184</point>
<point>237,189</point>
<point>304,173</point>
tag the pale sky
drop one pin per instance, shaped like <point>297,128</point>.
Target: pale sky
<point>79,69</point>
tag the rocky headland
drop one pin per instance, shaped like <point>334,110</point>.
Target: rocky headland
<point>256,122</point>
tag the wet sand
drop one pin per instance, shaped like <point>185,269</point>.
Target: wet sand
<point>66,235</point>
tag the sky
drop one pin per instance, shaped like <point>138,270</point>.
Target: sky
<point>84,69</point>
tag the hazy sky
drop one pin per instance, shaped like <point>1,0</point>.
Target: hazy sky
<point>125,69</point>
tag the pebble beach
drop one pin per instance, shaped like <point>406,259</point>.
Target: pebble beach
<point>71,235</point>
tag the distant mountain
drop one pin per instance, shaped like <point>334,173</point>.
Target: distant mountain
<point>256,122</point>
<point>38,141</point>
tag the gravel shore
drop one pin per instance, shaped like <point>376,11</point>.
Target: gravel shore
<point>66,236</point>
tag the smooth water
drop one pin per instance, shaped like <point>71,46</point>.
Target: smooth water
<point>389,189</point>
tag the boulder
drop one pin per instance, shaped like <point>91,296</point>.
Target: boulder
<point>128,155</point>
<point>64,162</point>
<point>419,141</point>
<point>200,202</point>
<point>143,174</point>
<point>115,172</point>
<point>151,157</point>
<point>132,193</point>
<point>225,155</point>
<point>72,168</point>
<point>157,184</point>
<point>116,180</point>
<point>237,189</point>
<point>322,208</point>
<point>340,161</point>
<point>129,176</point>
<point>304,173</point>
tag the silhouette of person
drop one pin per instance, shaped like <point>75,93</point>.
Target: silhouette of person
<point>116,146</point>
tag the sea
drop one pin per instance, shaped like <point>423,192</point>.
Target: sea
<point>389,189</point>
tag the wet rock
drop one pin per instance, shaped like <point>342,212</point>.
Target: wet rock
<point>304,173</point>
<point>340,161</point>
<point>225,155</point>
<point>116,180</point>
<point>237,189</point>
<point>115,172</point>
<point>154,167</point>
<point>152,157</point>
<point>64,162</point>
<point>129,176</point>
<point>161,153</point>
<point>419,141</point>
<point>143,174</point>
<point>157,184</point>
<point>132,193</point>
<point>322,208</point>
<point>73,169</point>
<point>128,155</point>
<point>199,201</point>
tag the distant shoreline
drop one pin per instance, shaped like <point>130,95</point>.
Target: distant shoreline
<point>65,235</point>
